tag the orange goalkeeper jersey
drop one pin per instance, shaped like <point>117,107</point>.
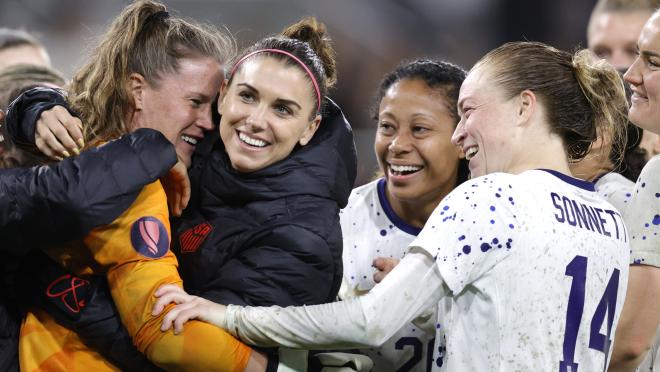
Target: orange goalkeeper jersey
<point>133,252</point>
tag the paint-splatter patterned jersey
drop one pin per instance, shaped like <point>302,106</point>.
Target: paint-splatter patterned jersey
<point>643,216</point>
<point>616,189</point>
<point>372,229</point>
<point>537,265</point>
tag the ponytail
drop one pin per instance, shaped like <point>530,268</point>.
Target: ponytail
<point>146,40</point>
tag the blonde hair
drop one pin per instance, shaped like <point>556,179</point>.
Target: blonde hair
<point>143,39</point>
<point>14,80</point>
<point>584,96</point>
<point>17,77</point>
<point>622,6</point>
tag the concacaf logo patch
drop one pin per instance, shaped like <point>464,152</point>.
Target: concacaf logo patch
<point>149,237</point>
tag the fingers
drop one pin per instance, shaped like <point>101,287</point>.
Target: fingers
<point>185,194</point>
<point>177,188</point>
<point>178,316</point>
<point>48,144</point>
<point>168,294</point>
<point>58,133</point>
<point>165,288</point>
<point>383,266</point>
<point>73,138</point>
<point>379,276</point>
<point>186,314</point>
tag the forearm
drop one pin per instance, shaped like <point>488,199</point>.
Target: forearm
<point>66,200</point>
<point>639,318</point>
<point>23,113</point>
<point>366,321</point>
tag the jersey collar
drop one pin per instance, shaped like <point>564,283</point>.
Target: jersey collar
<point>586,185</point>
<point>391,215</point>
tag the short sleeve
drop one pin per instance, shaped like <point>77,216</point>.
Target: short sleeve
<point>472,229</point>
<point>643,217</point>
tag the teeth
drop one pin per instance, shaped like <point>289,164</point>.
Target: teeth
<point>190,140</point>
<point>251,141</point>
<point>469,153</point>
<point>405,168</point>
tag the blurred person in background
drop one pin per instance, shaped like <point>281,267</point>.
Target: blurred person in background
<point>612,33</point>
<point>641,313</point>
<point>18,46</point>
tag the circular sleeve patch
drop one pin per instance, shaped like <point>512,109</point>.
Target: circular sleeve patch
<point>149,237</point>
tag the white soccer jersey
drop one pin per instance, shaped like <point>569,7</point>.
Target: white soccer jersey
<point>643,216</point>
<point>372,229</point>
<point>537,265</point>
<point>643,220</point>
<point>529,273</point>
<point>616,189</point>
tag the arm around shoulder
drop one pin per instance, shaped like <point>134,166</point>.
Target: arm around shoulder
<point>366,321</point>
<point>64,201</point>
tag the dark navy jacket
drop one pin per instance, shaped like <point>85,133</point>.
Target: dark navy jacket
<point>270,237</point>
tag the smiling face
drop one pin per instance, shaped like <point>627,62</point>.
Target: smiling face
<point>413,142</point>
<point>486,129</point>
<point>644,78</point>
<point>179,104</point>
<point>265,112</point>
<point>613,36</point>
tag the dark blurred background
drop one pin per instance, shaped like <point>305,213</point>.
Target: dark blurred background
<point>371,36</point>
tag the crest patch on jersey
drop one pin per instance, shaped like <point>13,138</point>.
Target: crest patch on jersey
<point>193,238</point>
<point>149,237</point>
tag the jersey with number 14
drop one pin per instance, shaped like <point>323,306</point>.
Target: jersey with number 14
<point>537,267</point>
<point>371,229</point>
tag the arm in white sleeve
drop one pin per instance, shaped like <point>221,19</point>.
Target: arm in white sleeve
<point>427,320</point>
<point>367,321</point>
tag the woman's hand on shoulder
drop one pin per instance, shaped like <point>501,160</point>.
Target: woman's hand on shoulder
<point>58,134</point>
<point>187,308</point>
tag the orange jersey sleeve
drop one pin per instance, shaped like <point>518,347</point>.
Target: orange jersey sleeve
<point>133,251</point>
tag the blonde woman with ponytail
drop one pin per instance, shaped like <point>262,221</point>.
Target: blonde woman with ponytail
<point>527,265</point>
<point>150,70</point>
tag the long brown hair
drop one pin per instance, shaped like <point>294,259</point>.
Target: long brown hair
<point>143,39</point>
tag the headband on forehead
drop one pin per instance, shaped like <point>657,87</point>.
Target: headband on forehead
<point>301,63</point>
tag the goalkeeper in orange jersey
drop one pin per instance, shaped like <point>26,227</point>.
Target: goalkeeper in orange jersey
<point>150,70</point>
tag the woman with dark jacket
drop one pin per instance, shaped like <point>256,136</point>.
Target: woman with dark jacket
<point>271,236</point>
